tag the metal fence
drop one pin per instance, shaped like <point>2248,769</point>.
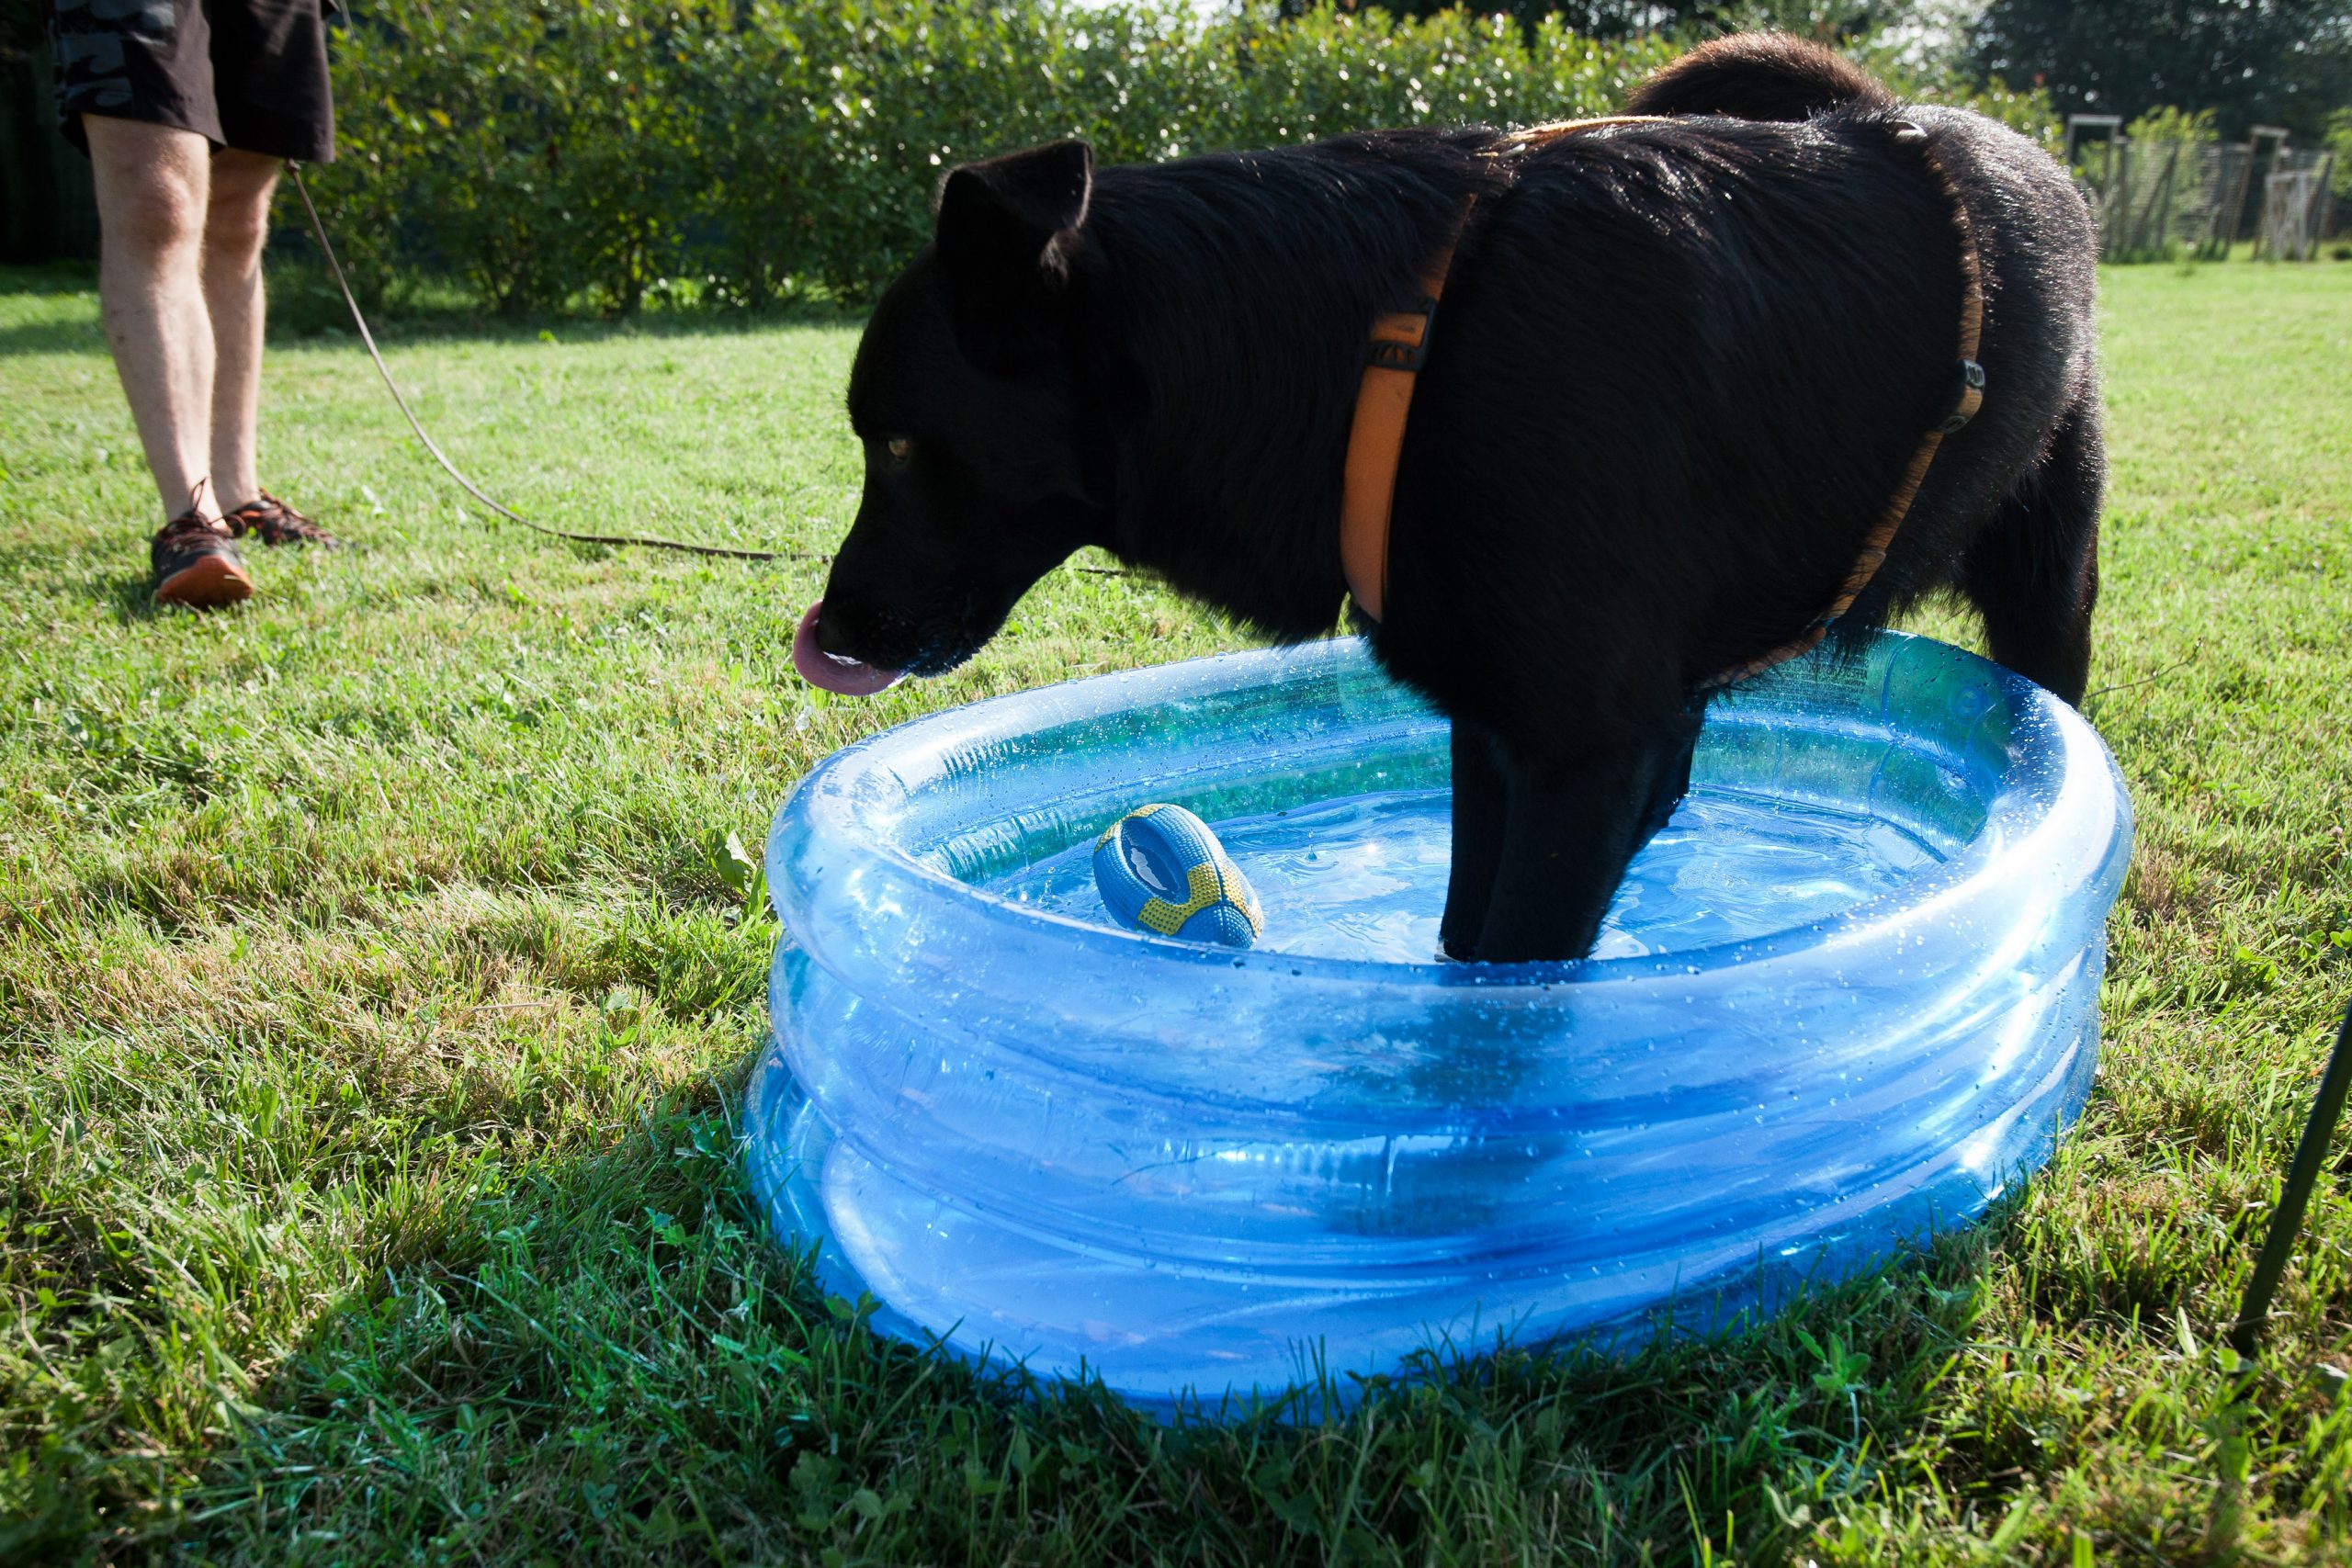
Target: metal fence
<point>2298,206</point>
<point>2163,199</point>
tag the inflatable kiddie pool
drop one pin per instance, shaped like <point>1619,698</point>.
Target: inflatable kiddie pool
<point>1849,993</point>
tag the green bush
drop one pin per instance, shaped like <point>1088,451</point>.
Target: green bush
<point>745,151</point>
<point>543,151</point>
<point>450,156</point>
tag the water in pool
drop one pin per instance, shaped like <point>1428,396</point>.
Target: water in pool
<point>1365,877</point>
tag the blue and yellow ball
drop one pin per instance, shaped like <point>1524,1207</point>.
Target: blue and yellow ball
<point>1161,869</point>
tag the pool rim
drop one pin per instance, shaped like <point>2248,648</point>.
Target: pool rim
<point>2032,787</point>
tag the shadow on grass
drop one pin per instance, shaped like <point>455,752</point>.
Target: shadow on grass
<point>305,305</point>
<point>305,309</point>
<point>47,279</point>
<point>611,1357</point>
<point>67,331</point>
<point>113,575</point>
<point>54,337</point>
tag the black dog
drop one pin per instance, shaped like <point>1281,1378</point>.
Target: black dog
<point>1677,374</point>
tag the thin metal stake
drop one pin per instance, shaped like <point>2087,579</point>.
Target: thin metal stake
<point>2287,1219</point>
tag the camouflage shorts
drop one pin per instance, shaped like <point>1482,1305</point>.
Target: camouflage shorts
<point>246,73</point>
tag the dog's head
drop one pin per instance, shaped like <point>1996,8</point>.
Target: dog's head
<point>963,398</point>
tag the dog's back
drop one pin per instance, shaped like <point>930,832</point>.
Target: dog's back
<point>2037,440</point>
<point>1715,343</point>
<point>1758,76</point>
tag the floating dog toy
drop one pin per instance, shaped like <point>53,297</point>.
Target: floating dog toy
<point>1161,870</point>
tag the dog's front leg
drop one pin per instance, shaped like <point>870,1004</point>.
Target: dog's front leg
<point>1481,797</point>
<point>1574,823</point>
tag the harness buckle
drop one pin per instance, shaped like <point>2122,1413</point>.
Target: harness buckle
<point>1401,336</point>
<point>1967,400</point>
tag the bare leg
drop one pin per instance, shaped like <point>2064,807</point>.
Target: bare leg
<point>152,186</point>
<point>236,224</point>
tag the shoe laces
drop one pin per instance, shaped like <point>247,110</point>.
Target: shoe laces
<point>188,526</point>
<point>273,520</point>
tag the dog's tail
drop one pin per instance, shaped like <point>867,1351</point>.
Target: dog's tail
<point>1758,76</point>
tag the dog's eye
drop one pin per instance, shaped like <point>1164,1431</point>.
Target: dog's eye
<point>899,449</point>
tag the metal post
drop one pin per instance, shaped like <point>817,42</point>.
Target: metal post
<point>2163,206</point>
<point>2287,1219</point>
<point>2231,214</point>
<point>2276,136</point>
<point>2116,243</point>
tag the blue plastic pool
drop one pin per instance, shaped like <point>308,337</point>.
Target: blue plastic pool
<point>1851,990</point>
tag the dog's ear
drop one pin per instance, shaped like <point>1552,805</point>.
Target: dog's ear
<point>1008,230</point>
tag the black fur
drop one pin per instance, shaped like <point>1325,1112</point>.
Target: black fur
<point>1758,76</point>
<point>1677,373</point>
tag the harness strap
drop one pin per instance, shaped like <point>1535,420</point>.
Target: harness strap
<point>1968,397</point>
<point>1400,347</point>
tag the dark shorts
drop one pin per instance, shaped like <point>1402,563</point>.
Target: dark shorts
<point>243,74</point>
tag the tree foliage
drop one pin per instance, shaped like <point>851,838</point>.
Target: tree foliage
<point>2252,62</point>
<point>1835,20</point>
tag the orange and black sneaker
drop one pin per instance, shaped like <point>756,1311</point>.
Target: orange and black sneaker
<point>274,522</point>
<point>197,565</point>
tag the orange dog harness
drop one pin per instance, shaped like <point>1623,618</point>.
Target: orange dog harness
<point>1400,345</point>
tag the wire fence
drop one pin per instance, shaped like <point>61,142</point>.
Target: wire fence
<point>2170,199</point>
<point>2298,206</point>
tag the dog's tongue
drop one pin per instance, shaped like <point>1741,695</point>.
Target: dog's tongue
<point>831,671</point>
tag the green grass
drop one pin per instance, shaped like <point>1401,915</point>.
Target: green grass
<point>375,1000</point>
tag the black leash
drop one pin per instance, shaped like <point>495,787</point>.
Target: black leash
<point>319,232</point>
<point>2287,1219</point>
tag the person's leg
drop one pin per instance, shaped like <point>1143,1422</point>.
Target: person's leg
<point>152,184</point>
<point>236,224</point>
<point>269,70</point>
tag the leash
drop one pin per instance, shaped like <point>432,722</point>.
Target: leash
<point>646,541</point>
<point>1399,348</point>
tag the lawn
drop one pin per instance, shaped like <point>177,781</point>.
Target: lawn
<point>376,995</point>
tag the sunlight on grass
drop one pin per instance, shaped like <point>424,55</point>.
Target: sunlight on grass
<point>376,988</point>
